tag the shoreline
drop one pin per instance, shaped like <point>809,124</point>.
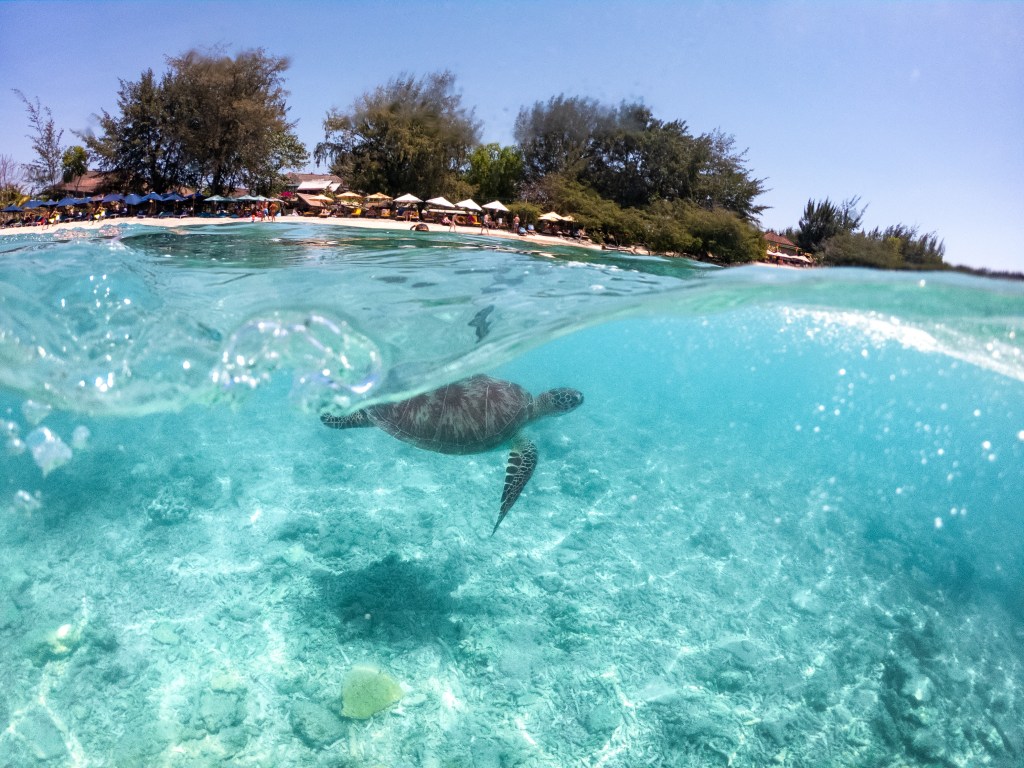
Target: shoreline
<point>378,224</point>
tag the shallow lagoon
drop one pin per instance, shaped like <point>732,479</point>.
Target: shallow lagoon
<point>783,529</point>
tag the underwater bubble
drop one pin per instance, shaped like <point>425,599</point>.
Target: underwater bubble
<point>34,411</point>
<point>326,355</point>
<point>48,451</point>
<point>80,437</point>
<point>27,502</point>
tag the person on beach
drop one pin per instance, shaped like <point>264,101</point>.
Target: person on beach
<point>515,223</point>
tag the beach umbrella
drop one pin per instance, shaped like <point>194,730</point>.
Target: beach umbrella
<point>12,209</point>
<point>469,205</point>
<point>245,199</point>
<point>408,198</point>
<point>173,197</point>
<point>112,198</point>
<point>350,195</point>
<point>440,202</point>
<point>218,199</point>
<point>496,206</point>
<point>132,199</point>
<point>549,216</point>
<point>33,204</point>
<point>66,201</point>
<point>378,197</point>
<point>152,197</point>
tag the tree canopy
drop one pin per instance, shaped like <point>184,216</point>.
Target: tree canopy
<point>211,121</point>
<point>833,232</point>
<point>412,133</point>
<point>628,155</point>
<point>45,170</point>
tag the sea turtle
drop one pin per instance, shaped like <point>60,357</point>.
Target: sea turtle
<point>469,416</point>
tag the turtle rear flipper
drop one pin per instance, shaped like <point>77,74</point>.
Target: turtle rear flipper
<point>352,421</point>
<point>521,461</point>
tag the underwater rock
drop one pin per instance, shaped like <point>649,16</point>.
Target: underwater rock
<point>226,682</point>
<point>9,613</point>
<point>316,725</point>
<point>918,689</point>
<point>602,719</point>
<point>805,600</point>
<point>41,734</point>
<point>168,508</point>
<point>217,711</point>
<point>56,644</point>
<point>164,635</point>
<point>366,691</point>
<point>742,651</point>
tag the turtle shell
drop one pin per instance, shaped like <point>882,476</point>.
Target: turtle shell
<point>468,416</point>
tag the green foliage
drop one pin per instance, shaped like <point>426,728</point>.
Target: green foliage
<point>528,213</point>
<point>665,227</point>
<point>555,138</point>
<point>45,171</point>
<point>211,121</point>
<point>11,180</point>
<point>896,247</point>
<point>74,162</point>
<point>848,249</point>
<point>823,220</point>
<point>408,135</point>
<point>918,251</point>
<point>634,159</point>
<point>496,171</point>
<point>140,146</point>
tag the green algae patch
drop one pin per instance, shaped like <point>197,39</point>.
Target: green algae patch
<point>366,691</point>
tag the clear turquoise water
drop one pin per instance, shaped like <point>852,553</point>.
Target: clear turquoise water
<point>785,527</point>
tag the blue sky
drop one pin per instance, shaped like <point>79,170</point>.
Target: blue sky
<point>917,107</point>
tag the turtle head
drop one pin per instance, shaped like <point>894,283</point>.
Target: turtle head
<point>555,402</point>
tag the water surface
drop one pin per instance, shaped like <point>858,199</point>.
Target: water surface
<point>785,526</point>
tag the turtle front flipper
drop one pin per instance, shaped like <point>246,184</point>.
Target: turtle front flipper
<point>521,461</point>
<point>352,421</point>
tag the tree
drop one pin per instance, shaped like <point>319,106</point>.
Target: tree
<point>412,134</point>
<point>723,178</point>
<point>45,171</point>
<point>140,145</point>
<point>629,156</point>
<point>495,171</point>
<point>212,121</point>
<point>230,117</point>
<point>74,163</point>
<point>11,179</point>
<point>557,137</point>
<point>636,159</point>
<point>823,220</point>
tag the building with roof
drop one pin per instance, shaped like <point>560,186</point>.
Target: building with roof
<point>88,184</point>
<point>313,183</point>
<point>782,249</point>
